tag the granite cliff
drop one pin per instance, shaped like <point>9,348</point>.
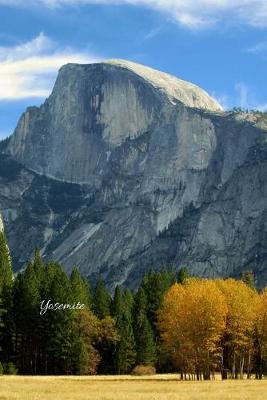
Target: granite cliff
<point>124,168</point>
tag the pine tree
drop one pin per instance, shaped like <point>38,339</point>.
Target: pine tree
<point>248,278</point>
<point>117,303</point>
<point>128,300</point>
<point>125,349</point>
<point>182,275</point>
<point>2,311</point>
<point>80,288</point>
<point>6,275</point>
<point>60,336</point>
<point>79,357</point>
<point>122,303</point>
<point>102,300</point>
<point>6,299</point>
<point>144,338</point>
<point>155,285</point>
<point>39,268</point>
<point>108,348</point>
<point>26,306</point>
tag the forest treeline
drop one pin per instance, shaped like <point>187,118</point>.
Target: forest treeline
<point>173,323</point>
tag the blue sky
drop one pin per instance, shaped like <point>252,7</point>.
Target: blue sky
<point>220,45</point>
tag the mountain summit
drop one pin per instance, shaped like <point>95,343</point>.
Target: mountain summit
<point>92,110</point>
<point>177,90</point>
<point>124,168</point>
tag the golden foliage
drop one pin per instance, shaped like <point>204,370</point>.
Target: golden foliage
<point>243,304</point>
<point>211,324</point>
<point>243,307</point>
<point>192,321</point>
<point>261,323</point>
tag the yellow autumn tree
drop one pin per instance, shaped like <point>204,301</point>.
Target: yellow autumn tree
<point>238,341</point>
<point>262,319</point>
<point>192,323</point>
<point>171,323</point>
<point>261,335</point>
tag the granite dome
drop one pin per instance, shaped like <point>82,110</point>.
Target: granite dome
<point>175,89</point>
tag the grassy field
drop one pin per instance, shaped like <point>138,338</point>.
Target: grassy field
<point>159,387</point>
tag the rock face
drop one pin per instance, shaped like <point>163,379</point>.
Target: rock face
<point>123,168</point>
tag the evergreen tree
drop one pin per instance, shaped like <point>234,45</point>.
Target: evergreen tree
<point>2,311</point>
<point>60,340</point>
<point>6,299</point>
<point>26,306</point>
<point>125,349</point>
<point>182,275</point>
<point>39,268</point>
<point>248,278</point>
<point>122,303</point>
<point>102,300</point>
<point>6,275</point>
<point>117,303</point>
<point>144,338</point>
<point>7,325</point>
<point>79,357</point>
<point>108,348</point>
<point>155,285</point>
<point>80,288</point>
<point>128,301</point>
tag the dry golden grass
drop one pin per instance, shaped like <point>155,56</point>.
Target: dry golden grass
<point>158,387</point>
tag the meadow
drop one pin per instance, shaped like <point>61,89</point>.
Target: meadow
<point>158,387</point>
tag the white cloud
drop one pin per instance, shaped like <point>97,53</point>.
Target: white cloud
<point>29,69</point>
<point>194,14</point>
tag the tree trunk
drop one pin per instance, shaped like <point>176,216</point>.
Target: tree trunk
<point>242,361</point>
<point>233,368</point>
<point>249,365</point>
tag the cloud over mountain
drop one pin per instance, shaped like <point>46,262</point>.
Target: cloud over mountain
<point>189,13</point>
<point>29,69</point>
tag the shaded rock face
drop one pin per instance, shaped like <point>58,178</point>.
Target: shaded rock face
<point>119,171</point>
